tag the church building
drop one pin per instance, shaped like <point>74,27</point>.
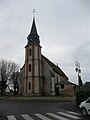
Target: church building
<point>39,76</point>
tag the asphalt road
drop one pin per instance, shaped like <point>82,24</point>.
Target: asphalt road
<point>35,109</point>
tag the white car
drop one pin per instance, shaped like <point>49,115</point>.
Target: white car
<point>85,107</point>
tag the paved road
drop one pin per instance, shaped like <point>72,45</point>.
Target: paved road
<point>39,110</point>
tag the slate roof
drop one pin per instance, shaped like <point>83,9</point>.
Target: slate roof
<point>33,37</point>
<point>33,28</point>
<point>55,67</point>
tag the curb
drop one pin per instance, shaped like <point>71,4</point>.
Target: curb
<point>46,98</point>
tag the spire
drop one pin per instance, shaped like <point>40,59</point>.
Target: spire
<point>33,37</point>
<point>33,28</point>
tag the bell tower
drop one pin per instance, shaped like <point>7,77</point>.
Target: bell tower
<point>33,79</point>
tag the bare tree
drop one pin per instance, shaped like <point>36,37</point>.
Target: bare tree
<point>16,78</point>
<point>8,68</point>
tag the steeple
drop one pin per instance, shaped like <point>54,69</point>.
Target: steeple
<point>33,29</point>
<point>33,37</point>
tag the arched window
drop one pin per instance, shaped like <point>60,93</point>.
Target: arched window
<point>29,67</point>
<point>30,51</point>
<point>29,85</point>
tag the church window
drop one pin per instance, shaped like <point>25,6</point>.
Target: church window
<point>29,67</point>
<point>30,51</point>
<point>29,85</point>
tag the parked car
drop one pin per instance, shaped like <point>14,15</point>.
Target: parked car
<point>85,107</point>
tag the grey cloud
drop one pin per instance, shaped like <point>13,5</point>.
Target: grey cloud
<point>63,27</point>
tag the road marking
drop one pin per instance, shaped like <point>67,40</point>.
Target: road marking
<point>42,117</point>
<point>11,117</point>
<point>27,117</point>
<point>57,116</point>
<point>61,116</point>
<point>71,112</point>
<point>68,115</point>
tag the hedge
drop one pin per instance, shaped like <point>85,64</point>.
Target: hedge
<point>82,95</point>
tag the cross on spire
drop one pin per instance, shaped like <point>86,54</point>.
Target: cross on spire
<point>33,37</point>
<point>34,13</point>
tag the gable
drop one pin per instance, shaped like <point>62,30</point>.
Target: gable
<point>7,89</point>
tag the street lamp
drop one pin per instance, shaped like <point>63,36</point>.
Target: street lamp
<point>78,70</point>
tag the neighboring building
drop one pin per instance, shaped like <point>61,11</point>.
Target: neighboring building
<point>0,74</point>
<point>67,88</point>
<point>7,91</point>
<point>86,86</point>
<point>39,76</point>
<point>0,79</point>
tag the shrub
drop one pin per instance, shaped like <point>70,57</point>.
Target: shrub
<point>82,95</point>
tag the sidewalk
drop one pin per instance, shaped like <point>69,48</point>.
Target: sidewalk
<point>48,98</point>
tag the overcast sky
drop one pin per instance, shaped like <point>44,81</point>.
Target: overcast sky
<point>63,27</point>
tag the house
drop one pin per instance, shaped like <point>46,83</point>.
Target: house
<point>0,74</point>
<point>86,86</point>
<point>0,80</point>
<point>39,76</point>
<point>67,88</point>
<point>9,90</point>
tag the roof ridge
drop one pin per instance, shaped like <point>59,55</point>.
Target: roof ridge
<point>55,67</point>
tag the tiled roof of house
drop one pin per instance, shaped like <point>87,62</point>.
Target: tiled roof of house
<point>66,82</point>
<point>55,67</point>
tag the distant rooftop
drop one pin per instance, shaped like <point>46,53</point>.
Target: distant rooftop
<point>86,86</point>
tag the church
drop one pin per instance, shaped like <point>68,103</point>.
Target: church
<point>39,76</point>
